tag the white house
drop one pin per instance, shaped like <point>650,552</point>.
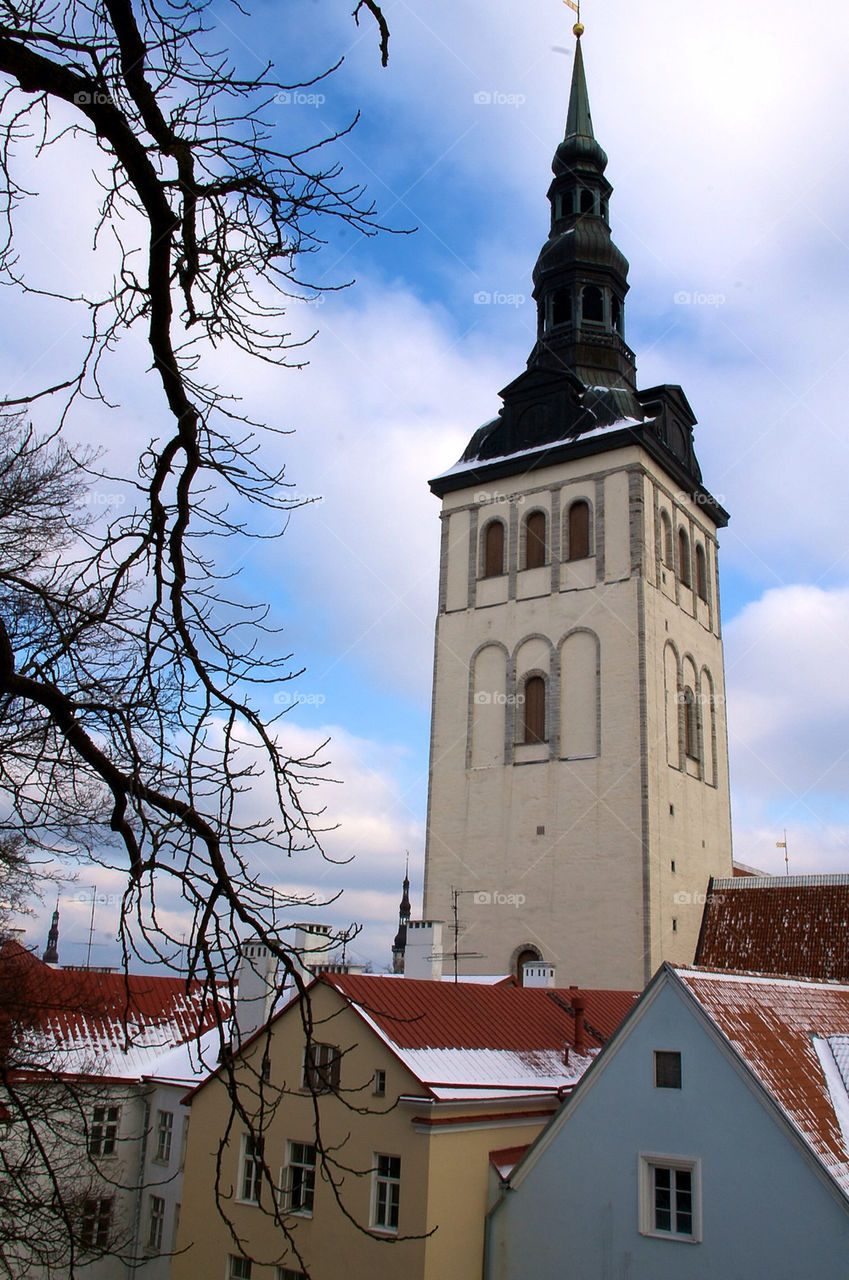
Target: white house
<point>709,1139</point>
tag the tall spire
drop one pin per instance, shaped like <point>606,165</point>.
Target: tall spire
<point>400,944</point>
<point>579,124</point>
<point>51,951</point>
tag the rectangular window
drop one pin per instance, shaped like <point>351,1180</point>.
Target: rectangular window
<point>299,1178</point>
<point>239,1268</point>
<point>103,1131</point>
<point>378,1084</point>
<point>670,1198</point>
<point>321,1068</point>
<point>286,1273</point>
<point>667,1069</point>
<point>156,1223</point>
<point>164,1129</point>
<point>387,1192</point>
<point>96,1222</point>
<point>250,1177</point>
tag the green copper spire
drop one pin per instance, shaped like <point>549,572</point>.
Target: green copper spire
<point>579,140</point>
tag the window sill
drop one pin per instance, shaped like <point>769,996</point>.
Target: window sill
<point>670,1235</point>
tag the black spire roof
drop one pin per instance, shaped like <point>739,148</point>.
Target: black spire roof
<point>579,394</point>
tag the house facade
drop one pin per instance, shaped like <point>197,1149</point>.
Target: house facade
<point>373,1147</point>
<point>709,1139</point>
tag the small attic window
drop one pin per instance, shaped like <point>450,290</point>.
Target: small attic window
<point>667,1069</point>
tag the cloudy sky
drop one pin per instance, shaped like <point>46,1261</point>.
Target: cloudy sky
<point>727,139</point>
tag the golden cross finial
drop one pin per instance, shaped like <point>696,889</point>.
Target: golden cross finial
<point>578,29</point>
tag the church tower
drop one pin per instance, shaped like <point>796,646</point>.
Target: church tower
<point>579,796</point>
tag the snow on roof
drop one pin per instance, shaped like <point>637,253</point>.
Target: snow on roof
<point>489,1038</point>
<point>505,1160</point>
<point>796,925</point>
<point>474,464</point>
<point>91,1022</point>
<point>772,1023</point>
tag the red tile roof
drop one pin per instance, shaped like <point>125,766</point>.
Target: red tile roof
<point>92,1014</point>
<point>770,1022</point>
<point>445,1015</point>
<point>793,925</point>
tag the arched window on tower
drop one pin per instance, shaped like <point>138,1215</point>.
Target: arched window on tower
<point>616,314</point>
<point>535,540</point>
<point>493,549</point>
<point>592,305</point>
<point>534,710</point>
<point>684,570</point>
<point>587,201</point>
<point>701,572</point>
<point>691,724</point>
<point>666,539</point>
<point>561,307</point>
<point>565,205</point>
<point>579,531</point>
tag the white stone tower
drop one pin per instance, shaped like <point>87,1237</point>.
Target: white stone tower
<point>579,773</point>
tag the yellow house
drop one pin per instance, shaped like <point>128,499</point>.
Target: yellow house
<point>369,1154</point>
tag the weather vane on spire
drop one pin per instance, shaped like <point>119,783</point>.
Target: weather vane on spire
<point>578,29</point>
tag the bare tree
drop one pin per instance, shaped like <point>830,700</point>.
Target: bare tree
<point>127,655</point>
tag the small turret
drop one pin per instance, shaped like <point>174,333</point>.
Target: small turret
<point>399,946</point>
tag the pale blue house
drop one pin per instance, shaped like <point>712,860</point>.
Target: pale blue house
<point>709,1139</point>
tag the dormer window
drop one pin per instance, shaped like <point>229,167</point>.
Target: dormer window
<point>592,305</point>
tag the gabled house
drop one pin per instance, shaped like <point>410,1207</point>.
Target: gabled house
<point>792,925</point>
<point>94,1067</point>
<point>709,1139</point>
<point>367,1148</point>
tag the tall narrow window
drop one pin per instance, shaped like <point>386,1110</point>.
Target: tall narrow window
<point>561,307</point>
<point>579,531</point>
<point>493,549</point>
<point>387,1192</point>
<point>156,1222</point>
<point>691,724</point>
<point>616,314</point>
<point>534,709</point>
<point>164,1130</point>
<point>535,531</point>
<point>666,539</point>
<point>592,304</point>
<point>250,1176</point>
<point>684,557</point>
<point>701,572</point>
<point>587,201</point>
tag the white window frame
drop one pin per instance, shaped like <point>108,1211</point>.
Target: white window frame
<point>103,1133</point>
<point>156,1223</point>
<point>648,1162</point>
<point>100,1219</point>
<point>288,1273</point>
<point>302,1211</point>
<point>164,1136</point>
<point>252,1158</point>
<point>322,1066</point>
<point>389,1181</point>
<point>238,1268</point>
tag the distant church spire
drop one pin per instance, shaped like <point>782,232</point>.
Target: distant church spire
<point>399,946</point>
<point>51,951</point>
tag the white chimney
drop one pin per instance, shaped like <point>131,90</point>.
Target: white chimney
<point>257,987</point>
<point>423,954</point>
<point>538,974</point>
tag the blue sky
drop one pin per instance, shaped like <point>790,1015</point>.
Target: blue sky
<point>727,144</point>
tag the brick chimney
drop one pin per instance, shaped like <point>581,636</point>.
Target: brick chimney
<point>579,1004</point>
